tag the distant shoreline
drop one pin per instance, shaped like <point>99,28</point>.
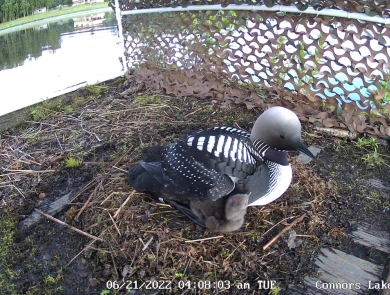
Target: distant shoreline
<point>54,15</point>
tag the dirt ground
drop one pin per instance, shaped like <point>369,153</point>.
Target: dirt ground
<point>81,146</point>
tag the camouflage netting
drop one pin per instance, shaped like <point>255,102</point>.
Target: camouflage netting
<point>332,72</point>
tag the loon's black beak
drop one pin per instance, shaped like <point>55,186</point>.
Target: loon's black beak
<point>302,148</point>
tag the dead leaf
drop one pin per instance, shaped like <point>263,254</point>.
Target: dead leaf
<point>93,282</point>
<point>125,270</point>
<point>328,122</point>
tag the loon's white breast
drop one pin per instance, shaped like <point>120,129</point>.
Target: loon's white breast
<point>280,180</point>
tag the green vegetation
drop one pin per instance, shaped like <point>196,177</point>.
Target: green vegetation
<point>94,90</point>
<point>372,157</point>
<point>14,9</point>
<point>43,110</point>
<point>72,162</point>
<point>366,142</point>
<point>49,280</point>
<point>274,291</point>
<point>52,13</point>
<point>7,232</point>
<point>145,100</point>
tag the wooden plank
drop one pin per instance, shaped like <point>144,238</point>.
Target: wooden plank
<point>369,236</point>
<point>342,273</point>
<point>387,291</point>
<point>54,208</point>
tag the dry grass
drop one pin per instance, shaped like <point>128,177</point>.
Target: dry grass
<point>144,240</point>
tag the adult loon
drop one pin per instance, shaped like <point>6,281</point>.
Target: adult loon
<point>222,162</point>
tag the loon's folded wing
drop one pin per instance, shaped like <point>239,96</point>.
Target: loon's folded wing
<point>207,165</point>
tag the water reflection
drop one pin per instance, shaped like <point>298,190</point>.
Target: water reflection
<point>89,21</point>
<point>38,62</point>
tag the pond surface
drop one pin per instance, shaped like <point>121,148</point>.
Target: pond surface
<point>50,59</point>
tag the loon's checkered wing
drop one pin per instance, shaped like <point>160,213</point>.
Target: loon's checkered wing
<point>207,165</point>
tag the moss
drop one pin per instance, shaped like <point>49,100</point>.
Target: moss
<point>274,291</point>
<point>95,90</point>
<point>72,162</point>
<point>49,280</point>
<point>374,159</point>
<point>69,109</point>
<point>79,101</point>
<point>7,235</point>
<point>43,110</point>
<point>147,100</point>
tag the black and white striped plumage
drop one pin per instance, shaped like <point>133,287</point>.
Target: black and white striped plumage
<point>207,166</point>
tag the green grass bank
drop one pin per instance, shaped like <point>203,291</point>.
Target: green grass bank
<point>52,13</point>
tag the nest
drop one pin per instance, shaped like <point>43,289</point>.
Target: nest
<point>106,132</point>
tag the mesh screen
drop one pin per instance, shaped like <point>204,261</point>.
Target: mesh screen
<point>334,72</point>
<point>371,8</point>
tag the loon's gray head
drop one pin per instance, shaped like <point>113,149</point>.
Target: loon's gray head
<point>280,128</point>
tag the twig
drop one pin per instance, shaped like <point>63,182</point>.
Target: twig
<point>86,131</point>
<point>113,221</point>
<point>157,250</point>
<point>189,260</point>
<point>120,169</point>
<point>20,192</point>
<point>231,253</point>
<point>162,212</point>
<point>109,196</point>
<point>124,203</point>
<point>58,141</point>
<point>275,225</point>
<point>113,262</point>
<point>139,239</point>
<point>29,171</point>
<point>192,113</point>
<point>86,247</point>
<point>147,243</point>
<point>287,228</point>
<point>337,132</point>
<point>69,226</point>
<point>86,203</point>
<point>27,155</point>
<point>7,182</point>
<point>97,223</point>
<point>205,239</point>
<point>83,190</point>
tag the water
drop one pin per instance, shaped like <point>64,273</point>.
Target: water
<point>44,61</point>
